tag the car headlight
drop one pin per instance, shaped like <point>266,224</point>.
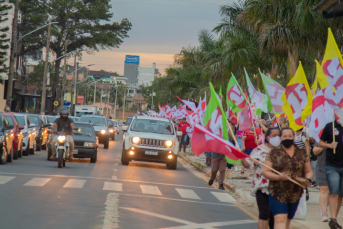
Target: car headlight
<point>89,144</point>
<point>103,131</point>
<point>61,138</point>
<point>136,140</point>
<point>110,130</point>
<point>168,143</point>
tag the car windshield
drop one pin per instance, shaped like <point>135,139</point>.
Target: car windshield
<point>35,119</point>
<point>128,120</point>
<point>10,120</point>
<point>21,120</point>
<point>80,113</point>
<point>84,130</point>
<point>152,126</point>
<point>94,120</point>
<point>115,122</point>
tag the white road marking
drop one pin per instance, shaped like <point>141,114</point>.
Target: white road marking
<point>187,193</point>
<point>37,182</point>
<point>152,190</point>
<point>109,179</point>
<point>111,219</point>
<point>158,215</point>
<point>188,224</point>
<point>111,186</point>
<point>224,197</point>
<point>181,200</point>
<point>74,183</point>
<point>5,179</point>
<point>214,224</point>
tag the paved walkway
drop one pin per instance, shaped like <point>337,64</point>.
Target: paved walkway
<point>241,184</point>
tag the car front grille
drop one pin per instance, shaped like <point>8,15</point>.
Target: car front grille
<point>152,142</point>
<point>78,143</point>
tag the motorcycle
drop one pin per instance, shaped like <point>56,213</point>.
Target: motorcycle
<point>62,149</point>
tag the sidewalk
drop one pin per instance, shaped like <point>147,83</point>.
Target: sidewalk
<point>241,185</point>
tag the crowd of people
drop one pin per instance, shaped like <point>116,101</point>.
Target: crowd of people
<point>296,155</point>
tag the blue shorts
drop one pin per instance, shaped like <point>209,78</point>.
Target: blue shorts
<point>278,208</point>
<point>334,177</point>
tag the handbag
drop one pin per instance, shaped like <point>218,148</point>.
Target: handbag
<point>302,208</point>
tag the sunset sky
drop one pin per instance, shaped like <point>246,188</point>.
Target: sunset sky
<point>160,28</point>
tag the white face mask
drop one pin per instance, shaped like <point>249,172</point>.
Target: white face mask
<point>275,141</point>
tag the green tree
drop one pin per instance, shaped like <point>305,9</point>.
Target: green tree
<point>37,75</point>
<point>3,37</point>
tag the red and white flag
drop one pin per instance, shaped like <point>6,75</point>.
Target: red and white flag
<point>205,141</point>
<point>189,104</point>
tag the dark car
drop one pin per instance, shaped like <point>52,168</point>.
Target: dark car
<point>6,140</point>
<point>85,142</point>
<point>42,131</point>
<point>100,125</point>
<point>17,135</point>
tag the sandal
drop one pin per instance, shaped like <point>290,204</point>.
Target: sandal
<point>242,172</point>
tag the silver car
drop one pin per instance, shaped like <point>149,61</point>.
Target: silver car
<point>29,133</point>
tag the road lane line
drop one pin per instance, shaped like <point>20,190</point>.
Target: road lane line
<point>152,190</point>
<point>173,199</point>
<point>74,183</point>
<point>5,179</point>
<point>214,224</point>
<point>111,219</point>
<point>187,193</point>
<point>224,197</point>
<point>158,215</point>
<point>37,182</point>
<point>111,186</point>
<point>109,179</point>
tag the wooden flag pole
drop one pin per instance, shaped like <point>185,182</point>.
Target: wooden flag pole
<point>233,135</point>
<point>277,120</point>
<point>275,171</point>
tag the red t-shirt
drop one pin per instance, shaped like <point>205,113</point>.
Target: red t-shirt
<point>183,126</point>
<point>250,141</point>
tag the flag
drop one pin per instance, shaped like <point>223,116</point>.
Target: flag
<point>244,117</point>
<point>231,116</point>
<point>297,100</point>
<point>202,107</point>
<point>274,92</point>
<point>321,115</point>
<point>259,99</point>
<point>204,140</point>
<point>189,104</point>
<point>235,98</point>
<point>215,119</point>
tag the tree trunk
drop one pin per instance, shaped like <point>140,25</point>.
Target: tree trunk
<point>292,63</point>
<point>55,84</point>
<point>259,82</point>
<point>274,68</point>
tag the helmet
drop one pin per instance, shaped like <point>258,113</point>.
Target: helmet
<point>64,111</point>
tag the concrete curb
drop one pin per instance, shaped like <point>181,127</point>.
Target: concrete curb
<point>314,196</point>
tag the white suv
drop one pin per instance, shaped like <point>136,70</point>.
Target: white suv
<point>150,139</point>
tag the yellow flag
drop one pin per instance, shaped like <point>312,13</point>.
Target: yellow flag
<point>331,50</point>
<point>297,99</point>
<point>321,77</point>
<point>314,87</point>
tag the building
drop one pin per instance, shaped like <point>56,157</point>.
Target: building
<point>131,69</point>
<point>146,75</point>
<point>102,74</point>
<point>330,8</point>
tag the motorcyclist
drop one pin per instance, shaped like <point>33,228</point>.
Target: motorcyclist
<point>66,125</point>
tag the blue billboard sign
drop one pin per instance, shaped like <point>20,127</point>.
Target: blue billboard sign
<point>132,59</point>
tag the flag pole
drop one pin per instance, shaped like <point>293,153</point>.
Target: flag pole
<point>275,171</point>
<point>233,135</point>
<point>277,120</point>
<point>333,129</point>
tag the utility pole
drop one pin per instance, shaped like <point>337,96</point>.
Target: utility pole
<point>108,102</point>
<point>13,51</point>
<point>64,73</point>
<point>46,69</point>
<point>94,93</point>
<point>73,98</point>
<point>102,112</point>
<point>124,103</point>
<point>115,103</point>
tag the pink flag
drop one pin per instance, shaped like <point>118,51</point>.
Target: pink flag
<point>189,104</point>
<point>205,141</point>
<point>245,119</point>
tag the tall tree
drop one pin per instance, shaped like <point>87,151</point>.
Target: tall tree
<point>3,37</point>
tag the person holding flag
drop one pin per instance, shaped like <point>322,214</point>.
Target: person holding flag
<point>260,183</point>
<point>293,163</point>
<point>184,139</point>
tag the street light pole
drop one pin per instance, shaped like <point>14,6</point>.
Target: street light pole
<point>74,98</point>
<point>64,73</point>
<point>94,93</point>
<point>115,103</point>
<point>124,103</point>
<point>42,108</point>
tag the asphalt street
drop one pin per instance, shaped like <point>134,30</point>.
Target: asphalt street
<point>34,193</point>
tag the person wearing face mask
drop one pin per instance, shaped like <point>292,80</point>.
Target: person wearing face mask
<point>66,125</point>
<point>293,163</point>
<point>260,183</point>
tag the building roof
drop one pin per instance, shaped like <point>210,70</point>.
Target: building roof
<point>102,74</point>
<point>330,8</point>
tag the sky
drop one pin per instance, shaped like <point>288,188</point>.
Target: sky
<point>160,28</point>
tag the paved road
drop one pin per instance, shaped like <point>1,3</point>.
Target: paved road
<point>34,193</point>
